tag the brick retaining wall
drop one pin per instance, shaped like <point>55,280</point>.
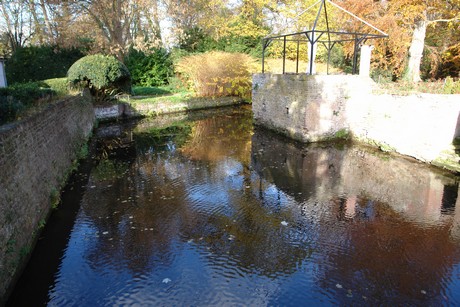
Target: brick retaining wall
<point>35,157</point>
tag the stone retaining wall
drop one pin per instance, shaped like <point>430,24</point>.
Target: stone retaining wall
<point>137,107</point>
<point>36,155</point>
<point>317,108</point>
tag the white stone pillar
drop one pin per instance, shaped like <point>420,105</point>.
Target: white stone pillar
<point>2,74</point>
<point>365,61</point>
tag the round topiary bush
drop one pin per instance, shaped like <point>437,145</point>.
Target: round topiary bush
<point>103,74</point>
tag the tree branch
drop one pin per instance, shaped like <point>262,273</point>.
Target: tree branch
<point>444,20</point>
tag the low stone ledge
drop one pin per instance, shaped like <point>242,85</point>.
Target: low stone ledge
<point>140,108</point>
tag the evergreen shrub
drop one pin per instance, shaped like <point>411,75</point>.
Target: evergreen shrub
<point>9,109</point>
<point>149,69</point>
<point>18,97</point>
<point>36,63</point>
<point>103,75</point>
<point>195,40</point>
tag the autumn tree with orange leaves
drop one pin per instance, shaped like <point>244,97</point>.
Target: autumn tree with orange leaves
<point>424,36</point>
<point>414,26</point>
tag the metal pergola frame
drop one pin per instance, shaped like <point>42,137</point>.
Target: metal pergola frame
<point>314,36</point>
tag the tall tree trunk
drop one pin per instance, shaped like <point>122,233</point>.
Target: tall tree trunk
<point>154,22</point>
<point>416,51</point>
<point>49,28</point>
<point>37,26</point>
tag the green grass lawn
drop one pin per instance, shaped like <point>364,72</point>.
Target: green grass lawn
<point>149,94</point>
<point>151,91</point>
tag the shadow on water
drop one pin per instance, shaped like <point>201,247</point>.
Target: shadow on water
<point>202,209</point>
<point>45,259</point>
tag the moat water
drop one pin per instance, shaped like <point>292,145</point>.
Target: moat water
<point>203,209</point>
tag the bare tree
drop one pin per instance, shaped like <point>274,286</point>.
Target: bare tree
<point>16,22</point>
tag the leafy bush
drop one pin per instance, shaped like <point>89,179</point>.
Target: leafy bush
<point>35,63</point>
<point>26,93</point>
<point>451,61</point>
<point>241,44</point>
<point>196,40</point>
<point>103,75</point>
<point>17,98</point>
<point>149,69</point>
<point>217,73</point>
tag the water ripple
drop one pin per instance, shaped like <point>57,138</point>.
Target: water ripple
<point>224,216</point>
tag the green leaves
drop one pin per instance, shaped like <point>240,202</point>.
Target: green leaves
<point>149,69</point>
<point>36,63</point>
<point>102,74</point>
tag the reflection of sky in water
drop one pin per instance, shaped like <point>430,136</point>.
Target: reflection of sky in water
<point>76,273</point>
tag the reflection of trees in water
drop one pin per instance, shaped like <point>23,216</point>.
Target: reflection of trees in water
<point>141,203</point>
<point>206,193</point>
<point>155,139</point>
<point>156,198</point>
<point>142,216</point>
<point>252,236</point>
<point>220,137</point>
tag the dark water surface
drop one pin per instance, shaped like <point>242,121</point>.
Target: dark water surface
<point>203,210</point>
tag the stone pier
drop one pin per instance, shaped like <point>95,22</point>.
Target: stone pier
<point>321,107</point>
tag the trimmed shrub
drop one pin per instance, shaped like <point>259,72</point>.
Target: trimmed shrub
<point>17,98</point>
<point>217,73</point>
<point>103,75</point>
<point>149,69</point>
<point>27,93</point>
<point>36,63</point>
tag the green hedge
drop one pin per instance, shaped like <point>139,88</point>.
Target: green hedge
<point>18,97</point>
<point>149,69</point>
<point>195,40</point>
<point>40,63</point>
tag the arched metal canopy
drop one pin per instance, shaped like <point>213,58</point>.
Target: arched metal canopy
<point>326,37</point>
